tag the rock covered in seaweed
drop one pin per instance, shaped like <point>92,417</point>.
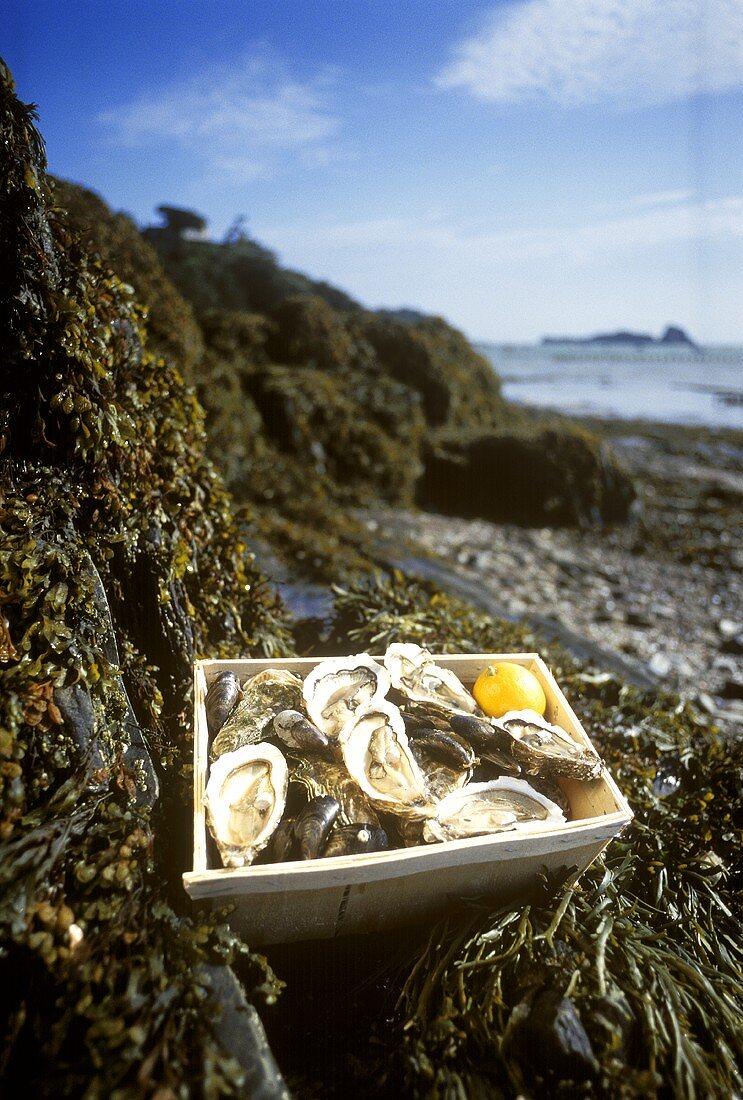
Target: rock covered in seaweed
<point>120,555</point>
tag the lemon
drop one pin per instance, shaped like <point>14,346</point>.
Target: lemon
<point>507,686</point>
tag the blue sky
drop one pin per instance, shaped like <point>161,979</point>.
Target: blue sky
<point>522,167</point>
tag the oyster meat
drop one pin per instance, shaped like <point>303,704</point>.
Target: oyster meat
<point>264,696</point>
<point>414,672</point>
<point>335,689</point>
<point>543,748</point>
<point>244,800</point>
<point>504,804</point>
<point>377,755</point>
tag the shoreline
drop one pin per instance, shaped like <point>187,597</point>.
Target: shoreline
<point>663,592</point>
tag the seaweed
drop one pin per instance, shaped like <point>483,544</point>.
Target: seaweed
<point>626,984</point>
<point>121,559</point>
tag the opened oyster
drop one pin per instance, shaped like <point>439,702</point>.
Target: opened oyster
<point>418,677</point>
<point>541,747</point>
<point>264,696</point>
<point>335,690</point>
<point>244,801</point>
<point>505,804</point>
<point>377,754</point>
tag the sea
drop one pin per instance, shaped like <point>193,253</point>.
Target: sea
<point>702,386</point>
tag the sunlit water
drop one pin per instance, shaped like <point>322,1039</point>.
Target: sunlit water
<point>674,385</point>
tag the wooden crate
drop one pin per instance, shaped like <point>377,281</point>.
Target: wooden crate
<point>318,899</point>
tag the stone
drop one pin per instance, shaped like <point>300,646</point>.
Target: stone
<point>659,664</point>
<point>242,1037</point>
<point>732,689</point>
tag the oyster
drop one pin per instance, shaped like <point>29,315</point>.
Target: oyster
<point>502,805</point>
<point>244,801</point>
<point>221,698</point>
<point>264,696</point>
<point>440,778</point>
<point>351,840</point>
<point>320,777</point>
<point>377,755</point>
<point>541,747</point>
<point>418,677</point>
<point>443,745</point>
<point>298,733</point>
<point>313,824</point>
<point>335,689</point>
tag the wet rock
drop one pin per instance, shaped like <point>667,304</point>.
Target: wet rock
<point>242,1037</point>
<point>660,664</point>
<point>545,1034</point>
<point>76,708</point>
<point>732,689</point>
<point>733,645</point>
<point>545,476</point>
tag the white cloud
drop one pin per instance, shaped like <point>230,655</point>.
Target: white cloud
<point>630,52</point>
<point>664,221</point>
<point>239,120</point>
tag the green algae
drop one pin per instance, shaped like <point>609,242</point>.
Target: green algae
<point>121,559</point>
<point>627,984</point>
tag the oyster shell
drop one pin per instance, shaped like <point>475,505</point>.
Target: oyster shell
<point>319,777</point>
<point>244,801</point>
<point>377,755</point>
<point>418,677</point>
<point>543,748</point>
<point>504,804</point>
<point>335,689</point>
<point>351,840</point>
<point>264,696</point>
<point>221,699</point>
<point>441,778</point>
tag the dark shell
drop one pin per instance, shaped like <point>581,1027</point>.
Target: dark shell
<point>296,731</point>
<point>445,745</point>
<point>313,824</point>
<point>283,842</point>
<point>221,698</point>
<point>350,840</point>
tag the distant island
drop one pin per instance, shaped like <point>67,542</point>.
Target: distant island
<point>673,336</point>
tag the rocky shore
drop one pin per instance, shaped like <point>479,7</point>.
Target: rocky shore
<point>664,592</point>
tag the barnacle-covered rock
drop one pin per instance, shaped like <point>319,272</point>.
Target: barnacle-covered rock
<point>245,799</point>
